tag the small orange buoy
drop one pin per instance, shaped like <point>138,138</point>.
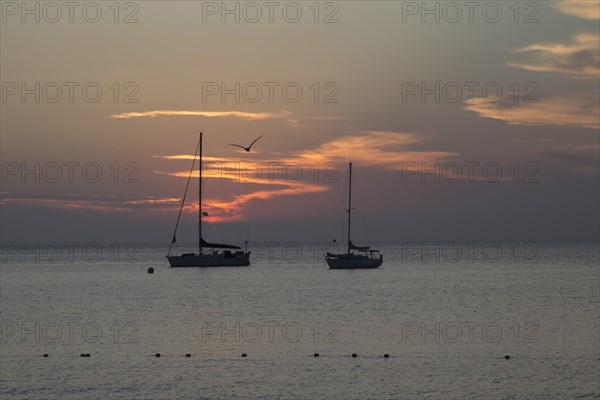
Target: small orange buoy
<point>150,270</point>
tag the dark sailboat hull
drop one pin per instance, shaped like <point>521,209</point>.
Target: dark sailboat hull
<point>343,261</point>
<point>210,260</point>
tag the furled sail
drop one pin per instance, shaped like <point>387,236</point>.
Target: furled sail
<point>352,246</point>
<point>204,243</point>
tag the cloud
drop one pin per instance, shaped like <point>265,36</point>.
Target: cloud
<point>109,204</point>
<point>232,210</point>
<point>287,116</point>
<point>209,114</point>
<point>563,111</point>
<point>377,149</point>
<point>248,173</point>
<point>380,149</point>
<point>218,209</point>
<point>189,157</point>
<point>251,116</point>
<point>586,9</point>
<point>579,58</point>
<point>383,149</point>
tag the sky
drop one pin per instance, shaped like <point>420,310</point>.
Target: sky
<point>463,122</point>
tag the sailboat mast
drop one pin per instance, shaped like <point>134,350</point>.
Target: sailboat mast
<point>200,198</point>
<point>349,204</point>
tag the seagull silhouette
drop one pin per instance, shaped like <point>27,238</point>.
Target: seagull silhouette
<point>246,148</point>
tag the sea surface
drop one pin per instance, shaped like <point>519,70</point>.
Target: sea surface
<point>447,313</point>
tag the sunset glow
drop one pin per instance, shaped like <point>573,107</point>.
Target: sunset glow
<point>91,135</point>
<point>305,200</point>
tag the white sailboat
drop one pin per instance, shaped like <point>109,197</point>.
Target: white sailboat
<point>209,254</point>
<point>357,256</point>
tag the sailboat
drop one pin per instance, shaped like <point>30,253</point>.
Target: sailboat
<point>357,256</point>
<point>209,254</point>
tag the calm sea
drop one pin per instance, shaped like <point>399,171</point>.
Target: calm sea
<point>447,313</point>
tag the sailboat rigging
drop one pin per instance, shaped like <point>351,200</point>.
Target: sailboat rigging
<point>209,254</point>
<point>365,258</point>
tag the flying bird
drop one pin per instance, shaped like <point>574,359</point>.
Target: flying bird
<point>246,148</point>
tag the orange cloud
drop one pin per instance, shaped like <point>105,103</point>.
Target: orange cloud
<point>210,114</point>
<point>580,58</point>
<point>293,122</point>
<point>378,149</point>
<point>219,210</point>
<point>586,9</point>
<point>383,149</point>
<point>562,111</point>
<point>190,157</point>
<point>245,172</point>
